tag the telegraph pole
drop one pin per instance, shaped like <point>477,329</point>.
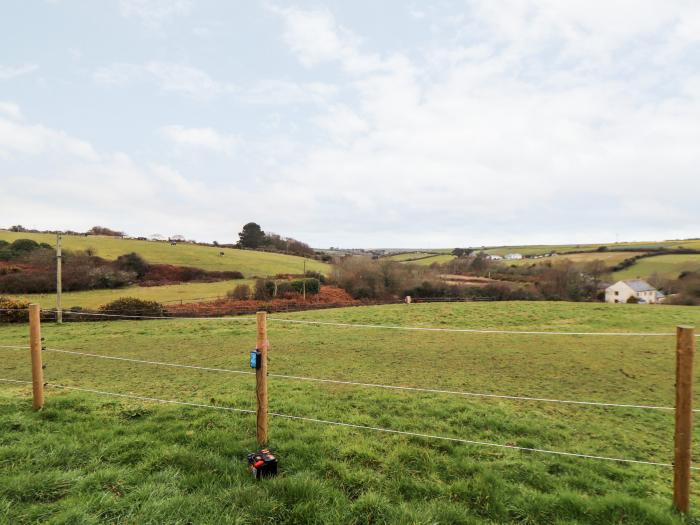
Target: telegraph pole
<point>303,281</point>
<point>59,312</point>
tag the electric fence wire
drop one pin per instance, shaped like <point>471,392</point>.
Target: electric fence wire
<point>380,326</point>
<point>361,384</point>
<point>360,427</point>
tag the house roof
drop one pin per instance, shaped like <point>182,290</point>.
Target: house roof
<point>639,285</point>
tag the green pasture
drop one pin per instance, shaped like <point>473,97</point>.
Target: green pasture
<point>250,263</point>
<point>669,266</point>
<point>559,248</point>
<point>171,293</point>
<point>609,258</point>
<point>93,458</point>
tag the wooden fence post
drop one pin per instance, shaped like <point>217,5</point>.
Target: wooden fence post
<point>35,350</point>
<point>685,349</point>
<point>261,378</point>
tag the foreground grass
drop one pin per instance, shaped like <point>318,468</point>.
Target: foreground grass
<point>250,263</point>
<point>186,292</point>
<point>93,459</point>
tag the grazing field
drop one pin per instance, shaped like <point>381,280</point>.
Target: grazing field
<point>440,259</point>
<point>186,292</point>
<point>250,263</point>
<point>665,265</point>
<point>548,248</point>
<point>91,458</point>
<point>408,256</point>
<point>609,258</point>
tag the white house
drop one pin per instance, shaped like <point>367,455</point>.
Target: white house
<point>642,291</point>
<point>514,256</point>
<point>493,257</point>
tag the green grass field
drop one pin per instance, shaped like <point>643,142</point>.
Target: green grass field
<point>250,263</point>
<point>441,259</point>
<point>408,256</point>
<point>669,266</point>
<point>186,292</point>
<point>89,458</point>
<point>609,258</point>
<point>547,248</point>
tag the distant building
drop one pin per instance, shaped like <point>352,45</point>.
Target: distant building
<point>640,290</point>
<point>494,257</point>
<point>514,256</point>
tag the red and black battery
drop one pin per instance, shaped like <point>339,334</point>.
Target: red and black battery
<point>262,464</point>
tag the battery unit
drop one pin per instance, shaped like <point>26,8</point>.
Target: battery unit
<point>262,464</point>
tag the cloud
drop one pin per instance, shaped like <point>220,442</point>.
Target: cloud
<point>170,77</point>
<point>10,72</point>
<point>154,12</point>
<point>519,132</point>
<point>207,138</point>
<point>18,138</point>
<point>11,110</point>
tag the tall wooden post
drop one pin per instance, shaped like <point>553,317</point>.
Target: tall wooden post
<point>59,285</point>
<point>685,349</point>
<point>261,378</point>
<point>35,350</point>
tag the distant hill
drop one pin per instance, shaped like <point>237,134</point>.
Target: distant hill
<point>250,263</point>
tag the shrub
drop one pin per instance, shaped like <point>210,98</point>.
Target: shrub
<point>133,262</point>
<point>13,310</point>
<point>24,245</point>
<point>240,292</point>
<point>313,286</point>
<point>285,290</point>
<point>264,289</point>
<point>133,306</point>
<point>364,278</point>
<point>316,275</point>
<point>104,277</point>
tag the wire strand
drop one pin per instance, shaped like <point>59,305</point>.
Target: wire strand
<point>363,427</point>
<point>467,330</point>
<point>369,385</point>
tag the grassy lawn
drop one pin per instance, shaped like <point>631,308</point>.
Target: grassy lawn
<point>250,263</point>
<point>665,265</point>
<point>88,458</point>
<point>186,292</point>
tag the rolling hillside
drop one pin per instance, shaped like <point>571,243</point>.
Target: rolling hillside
<point>170,293</point>
<point>250,263</point>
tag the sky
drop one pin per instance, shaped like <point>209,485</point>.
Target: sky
<point>354,124</point>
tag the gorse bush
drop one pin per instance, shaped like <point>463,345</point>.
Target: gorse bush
<point>13,310</point>
<point>241,292</point>
<point>133,306</point>
<point>313,286</point>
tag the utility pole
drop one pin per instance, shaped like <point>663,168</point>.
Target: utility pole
<point>59,312</point>
<point>303,281</point>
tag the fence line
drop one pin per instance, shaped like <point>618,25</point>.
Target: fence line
<point>467,330</point>
<point>380,326</point>
<point>361,427</point>
<point>361,384</point>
